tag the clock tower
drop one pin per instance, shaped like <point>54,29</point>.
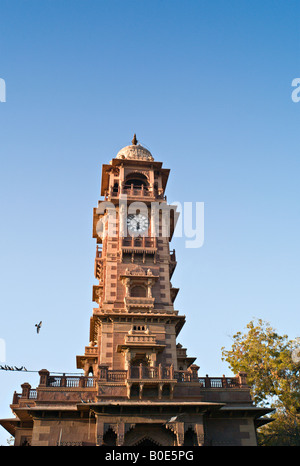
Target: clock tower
<point>135,326</point>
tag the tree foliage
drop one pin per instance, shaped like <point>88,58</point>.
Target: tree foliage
<point>272,364</point>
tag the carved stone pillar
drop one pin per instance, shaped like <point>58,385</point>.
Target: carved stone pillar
<point>127,358</point>
<point>44,374</point>
<point>180,433</point>
<point>128,389</point>
<point>99,432</point>
<point>150,283</point>
<point>199,431</point>
<point>25,389</point>
<point>122,216</point>
<point>152,357</point>
<point>160,389</point>
<point>171,391</point>
<point>141,386</point>
<point>127,287</point>
<point>120,434</point>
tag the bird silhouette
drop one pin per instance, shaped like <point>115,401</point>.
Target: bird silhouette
<point>38,327</point>
<point>174,418</point>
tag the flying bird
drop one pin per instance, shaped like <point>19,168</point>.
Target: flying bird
<point>174,418</point>
<point>38,327</point>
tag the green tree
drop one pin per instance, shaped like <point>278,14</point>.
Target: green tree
<point>272,364</point>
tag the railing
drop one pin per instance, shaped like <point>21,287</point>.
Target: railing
<point>116,376</point>
<point>186,376</point>
<point>16,398</point>
<point>131,191</point>
<point>138,242</point>
<point>138,373</point>
<point>134,192</point>
<point>142,372</point>
<point>71,382</point>
<point>219,382</point>
<point>112,375</point>
<point>32,394</point>
<point>146,372</point>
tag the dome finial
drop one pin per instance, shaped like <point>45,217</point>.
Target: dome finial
<point>134,140</point>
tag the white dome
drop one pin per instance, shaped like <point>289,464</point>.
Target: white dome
<point>134,152</point>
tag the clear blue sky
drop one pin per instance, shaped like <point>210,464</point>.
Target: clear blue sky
<point>206,86</point>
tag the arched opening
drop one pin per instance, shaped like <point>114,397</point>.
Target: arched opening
<point>150,435</point>
<point>140,359</point>
<point>115,187</point>
<point>147,442</point>
<point>190,438</point>
<point>110,438</point>
<point>138,327</point>
<point>137,181</point>
<point>138,291</point>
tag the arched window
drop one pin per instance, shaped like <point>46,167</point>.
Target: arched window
<point>116,187</point>
<point>138,291</point>
<point>137,180</point>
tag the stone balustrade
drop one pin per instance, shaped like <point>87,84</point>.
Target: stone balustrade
<point>159,374</point>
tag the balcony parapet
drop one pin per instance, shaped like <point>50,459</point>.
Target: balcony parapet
<point>136,192</point>
<point>139,242</point>
<point>66,381</point>
<point>140,339</point>
<point>136,372</point>
<point>91,351</point>
<point>138,302</point>
<point>135,375</point>
<point>238,381</point>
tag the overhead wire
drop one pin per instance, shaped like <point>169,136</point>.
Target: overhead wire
<point>23,369</point>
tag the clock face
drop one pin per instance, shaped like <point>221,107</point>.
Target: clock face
<point>137,223</point>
